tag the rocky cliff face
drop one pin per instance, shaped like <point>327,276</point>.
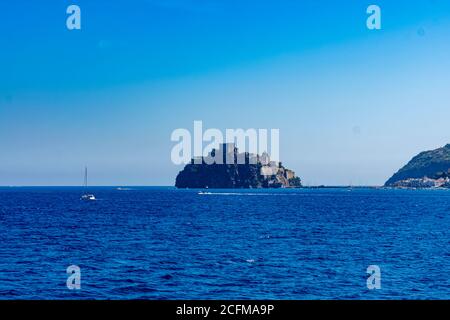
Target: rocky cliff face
<point>251,174</point>
<point>426,170</point>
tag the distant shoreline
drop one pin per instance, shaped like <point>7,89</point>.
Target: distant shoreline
<point>130,187</point>
<point>171,186</point>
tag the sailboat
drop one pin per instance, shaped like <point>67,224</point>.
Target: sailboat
<point>87,196</point>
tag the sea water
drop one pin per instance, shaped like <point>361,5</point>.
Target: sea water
<point>163,243</point>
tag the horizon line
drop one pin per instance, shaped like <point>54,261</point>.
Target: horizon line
<point>172,186</point>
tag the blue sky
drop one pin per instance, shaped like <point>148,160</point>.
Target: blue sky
<point>352,105</point>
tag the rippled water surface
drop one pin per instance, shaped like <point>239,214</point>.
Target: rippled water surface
<point>162,243</point>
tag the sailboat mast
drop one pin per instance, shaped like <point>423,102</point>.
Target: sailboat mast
<point>85,177</point>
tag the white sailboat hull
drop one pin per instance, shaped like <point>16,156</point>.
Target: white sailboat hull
<point>88,197</point>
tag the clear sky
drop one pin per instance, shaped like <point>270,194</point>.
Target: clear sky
<point>352,105</point>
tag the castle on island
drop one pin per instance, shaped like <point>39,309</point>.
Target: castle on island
<point>225,167</point>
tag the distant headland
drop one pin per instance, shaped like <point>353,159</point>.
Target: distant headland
<point>429,169</point>
<point>235,170</point>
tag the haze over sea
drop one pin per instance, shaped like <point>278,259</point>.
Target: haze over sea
<point>163,243</point>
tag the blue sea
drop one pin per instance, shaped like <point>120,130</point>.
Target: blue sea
<point>163,243</point>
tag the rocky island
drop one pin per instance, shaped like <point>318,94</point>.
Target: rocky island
<point>429,169</point>
<point>253,171</point>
